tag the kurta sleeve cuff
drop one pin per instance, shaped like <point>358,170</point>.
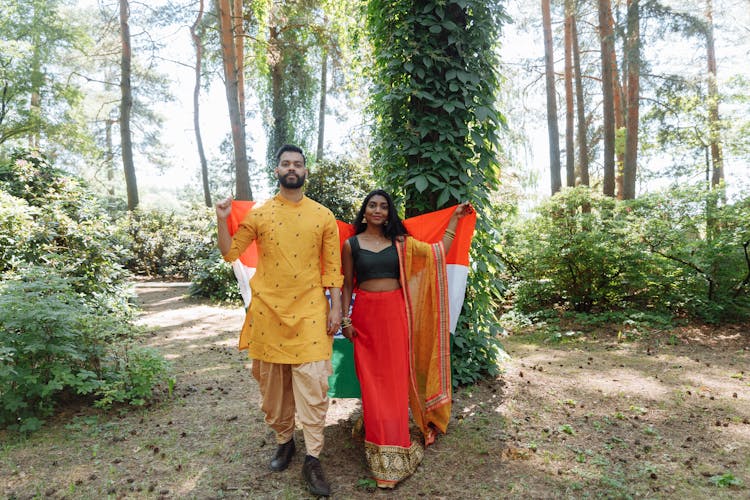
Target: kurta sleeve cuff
<point>332,280</point>
<point>232,255</point>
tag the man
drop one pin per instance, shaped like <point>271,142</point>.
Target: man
<point>289,325</point>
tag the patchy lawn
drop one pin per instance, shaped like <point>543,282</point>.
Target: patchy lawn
<point>596,415</point>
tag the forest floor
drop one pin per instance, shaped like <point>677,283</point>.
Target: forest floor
<point>602,414</point>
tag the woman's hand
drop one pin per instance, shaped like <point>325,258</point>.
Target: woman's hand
<point>349,332</point>
<point>463,210</point>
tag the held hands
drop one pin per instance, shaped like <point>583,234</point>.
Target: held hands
<point>348,332</point>
<point>334,321</point>
<point>224,208</point>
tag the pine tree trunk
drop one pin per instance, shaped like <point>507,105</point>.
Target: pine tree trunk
<point>126,106</point>
<point>552,129</point>
<point>232,81</point>
<point>322,109</point>
<point>619,93</point>
<point>570,156</point>
<point>717,160</point>
<point>109,156</point>
<point>280,133</point>
<point>196,104</point>
<point>606,38</point>
<point>583,151</point>
<point>634,69</point>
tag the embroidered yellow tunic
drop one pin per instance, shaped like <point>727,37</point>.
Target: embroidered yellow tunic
<point>298,256</point>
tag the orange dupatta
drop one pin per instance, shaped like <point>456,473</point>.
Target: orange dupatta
<point>425,285</point>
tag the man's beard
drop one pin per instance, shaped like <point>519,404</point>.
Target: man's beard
<point>292,184</point>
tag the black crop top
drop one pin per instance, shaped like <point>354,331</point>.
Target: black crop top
<point>369,265</point>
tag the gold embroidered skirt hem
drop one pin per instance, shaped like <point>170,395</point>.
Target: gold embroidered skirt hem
<point>391,464</point>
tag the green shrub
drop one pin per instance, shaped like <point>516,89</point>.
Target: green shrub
<point>214,278</point>
<point>167,244</point>
<point>132,374</point>
<point>64,299</point>
<point>702,246</point>
<point>579,253</point>
<point>681,252</point>
<point>341,185</point>
<point>55,344</point>
<point>54,221</point>
<point>16,227</point>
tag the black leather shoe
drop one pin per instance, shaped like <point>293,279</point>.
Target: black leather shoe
<point>312,472</point>
<point>283,456</point>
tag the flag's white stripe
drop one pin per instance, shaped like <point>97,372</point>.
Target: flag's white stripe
<point>243,274</point>
<point>457,276</point>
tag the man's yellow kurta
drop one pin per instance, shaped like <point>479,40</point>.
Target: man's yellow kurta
<point>298,257</point>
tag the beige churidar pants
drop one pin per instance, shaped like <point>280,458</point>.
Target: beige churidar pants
<point>304,387</point>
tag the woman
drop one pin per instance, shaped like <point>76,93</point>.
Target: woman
<point>397,321</point>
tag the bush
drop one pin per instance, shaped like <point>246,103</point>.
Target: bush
<point>701,245</point>
<point>52,220</point>
<point>341,186</point>
<point>214,278</point>
<point>580,253</point>
<point>64,299</point>
<point>167,244</point>
<point>681,252</point>
<point>56,344</point>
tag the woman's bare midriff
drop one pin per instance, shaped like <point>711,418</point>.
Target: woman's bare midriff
<point>379,285</point>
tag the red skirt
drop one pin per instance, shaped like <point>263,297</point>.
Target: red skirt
<point>381,358</point>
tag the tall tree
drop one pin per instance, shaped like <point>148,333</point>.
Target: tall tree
<point>606,37</point>
<point>198,44</point>
<point>232,43</point>
<point>41,102</point>
<point>126,106</point>
<point>570,157</point>
<point>619,98</point>
<point>633,57</point>
<point>583,151</point>
<point>322,106</point>
<point>552,128</point>
<point>717,160</point>
<point>292,82</point>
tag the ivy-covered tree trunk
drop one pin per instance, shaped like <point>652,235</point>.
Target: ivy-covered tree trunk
<point>436,136</point>
<point>552,128</point>
<point>126,106</point>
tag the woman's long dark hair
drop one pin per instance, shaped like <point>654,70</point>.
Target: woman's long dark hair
<point>392,229</point>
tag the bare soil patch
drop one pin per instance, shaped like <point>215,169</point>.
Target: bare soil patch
<point>659,417</point>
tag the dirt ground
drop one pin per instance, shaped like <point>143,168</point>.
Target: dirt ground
<point>602,415</point>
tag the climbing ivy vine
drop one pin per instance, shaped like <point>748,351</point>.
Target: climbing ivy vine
<point>436,136</point>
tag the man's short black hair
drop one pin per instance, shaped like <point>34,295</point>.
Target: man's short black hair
<point>291,148</point>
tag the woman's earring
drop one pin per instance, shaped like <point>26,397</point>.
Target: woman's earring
<point>364,221</point>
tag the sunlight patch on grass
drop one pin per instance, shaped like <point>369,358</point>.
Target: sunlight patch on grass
<point>189,484</point>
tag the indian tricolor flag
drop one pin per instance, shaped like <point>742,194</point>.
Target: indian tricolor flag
<point>427,227</point>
